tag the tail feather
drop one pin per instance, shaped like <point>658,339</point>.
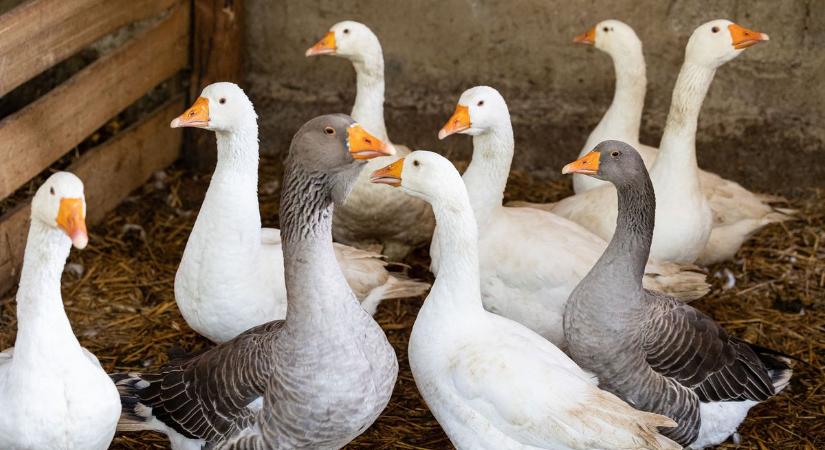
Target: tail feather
<point>134,415</point>
<point>397,286</point>
<point>779,365</point>
<point>683,281</point>
<point>643,426</point>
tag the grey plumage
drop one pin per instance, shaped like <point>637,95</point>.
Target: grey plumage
<point>648,348</point>
<point>324,374</point>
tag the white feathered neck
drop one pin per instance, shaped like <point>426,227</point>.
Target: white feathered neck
<point>624,116</point>
<point>368,109</point>
<point>676,163</point>
<point>44,334</point>
<point>486,176</point>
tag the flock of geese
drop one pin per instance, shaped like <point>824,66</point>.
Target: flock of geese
<point>557,326</point>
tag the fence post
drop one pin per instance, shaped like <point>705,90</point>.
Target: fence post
<point>217,55</point>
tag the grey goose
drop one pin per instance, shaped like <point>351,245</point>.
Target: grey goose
<point>650,349</point>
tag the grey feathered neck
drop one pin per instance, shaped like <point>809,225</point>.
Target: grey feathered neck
<point>306,204</point>
<point>622,265</point>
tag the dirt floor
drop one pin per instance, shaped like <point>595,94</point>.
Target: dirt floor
<point>118,295</point>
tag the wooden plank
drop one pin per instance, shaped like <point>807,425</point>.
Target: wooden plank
<point>217,55</point>
<point>43,131</point>
<point>109,172</point>
<point>40,33</point>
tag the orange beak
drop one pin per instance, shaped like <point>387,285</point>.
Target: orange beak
<point>588,37</point>
<point>744,38</point>
<point>326,46</point>
<point>71,218</point>
<point>586,165</point>
<point>459,121</point>
<point>363,145</point>
<point>390,175</point>
<point>197,116</point>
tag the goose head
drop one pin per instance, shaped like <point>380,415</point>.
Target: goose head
<point>612,37</point>
<point>60,204</point>
<point>222,107</point>
<point>719,41</point>
<point>423,174</point>
<point>337,147</point>
<point>612,161</point>
<point>479,110</point>
<point>348,39</point>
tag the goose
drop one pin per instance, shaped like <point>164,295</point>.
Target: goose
<point>685,219</point>
<point>650,349</point>
<point>231,275</point>
<point>54,393</point>
<point>490,382</point>
<point>737,212</point>
<point>318,378</point>
<point>530,260</point>
<point>374,217</point>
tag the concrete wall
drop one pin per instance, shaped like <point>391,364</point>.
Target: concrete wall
<point>762,122</point>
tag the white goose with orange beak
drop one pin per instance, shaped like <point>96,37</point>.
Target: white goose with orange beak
<point>53,392</point>
<point>684,218</point>
<point>231,275</point>
<point>737,212</point>
<point>374,217</point>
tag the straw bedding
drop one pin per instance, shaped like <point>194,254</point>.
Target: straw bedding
<point>118,294</point>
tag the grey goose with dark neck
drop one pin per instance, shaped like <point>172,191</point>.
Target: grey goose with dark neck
<point>315,380</point>
<point>650,349</point>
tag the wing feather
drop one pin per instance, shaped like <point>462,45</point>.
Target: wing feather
<point>685,345</point>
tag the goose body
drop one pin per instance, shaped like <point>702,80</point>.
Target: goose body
<point>374,216</point>
<point>231,275</point>
<point>650,349</point>
<point>529,260</point>
<point>737,213</point>
<point>317,379</point>
<point>490,382</point>
<point>54,393</point>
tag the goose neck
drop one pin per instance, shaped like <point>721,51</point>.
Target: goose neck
<point>678,147</point>
<point>457,286</point>
<point>368,109</point>
<point>43,332</point>
<point>624,116</point>
<point>486,176</point>
<point>317,292</point>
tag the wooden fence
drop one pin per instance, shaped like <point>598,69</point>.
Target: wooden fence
<point>38,34</point>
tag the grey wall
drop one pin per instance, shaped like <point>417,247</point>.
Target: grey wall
<point>762,122</point>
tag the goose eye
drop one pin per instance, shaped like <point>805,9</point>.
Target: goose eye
<point>480,103</point>
<point>329,130</point>
<point>416,163</point>
<point>605,29</point>
<point>715,29</point>
<point>614,154</point>
<point>222,101</point>
<point>346,30</point>
<point>51,190</point>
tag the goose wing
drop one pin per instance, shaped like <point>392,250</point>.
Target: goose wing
<point>208,396</point>
<point>687,346</point>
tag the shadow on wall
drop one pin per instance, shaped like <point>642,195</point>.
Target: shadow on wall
<point>764,110</point>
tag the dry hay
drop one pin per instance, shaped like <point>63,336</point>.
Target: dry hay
<point>122,307</point>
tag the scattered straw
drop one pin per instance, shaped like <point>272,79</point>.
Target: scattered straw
<point>122,307</point>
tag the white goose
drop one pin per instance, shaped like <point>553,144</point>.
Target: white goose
<point>737,212</point>
<point>490,382</point>
<point>231,276</point>
<point>684,219</point>
<point>53,392</point>
<point>373,214</point>
<point>530,260</point>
